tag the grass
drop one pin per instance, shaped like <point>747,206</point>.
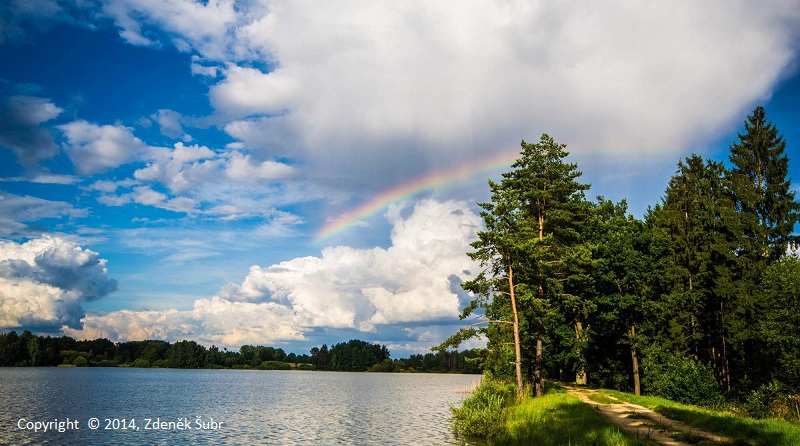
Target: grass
<point>602,398</point>
<point>744,431</point>
<point>562,419</point>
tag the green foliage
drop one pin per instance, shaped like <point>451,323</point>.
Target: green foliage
<point>779,293</point>
<point>680,379</point>
<point>760,401</point>
<point>80,361</point>
<point>274,365</point>
<point>483,413</point>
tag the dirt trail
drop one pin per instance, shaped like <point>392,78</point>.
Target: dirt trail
<point>647,424</point>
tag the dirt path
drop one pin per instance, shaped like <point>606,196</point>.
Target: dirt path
<point>645,423</point>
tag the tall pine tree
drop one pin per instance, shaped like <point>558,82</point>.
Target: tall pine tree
<point>761,189</point>
<point>554,207</point>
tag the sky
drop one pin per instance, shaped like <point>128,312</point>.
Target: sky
<point>299,173</point>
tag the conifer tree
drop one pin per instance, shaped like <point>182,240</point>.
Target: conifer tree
<point>553,207</point>
<point>767,213</point>
<point>761,189</point>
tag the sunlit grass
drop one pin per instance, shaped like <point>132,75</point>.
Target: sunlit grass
<point>562,419</point>
<point>745,431</point>
<point>601,398</point>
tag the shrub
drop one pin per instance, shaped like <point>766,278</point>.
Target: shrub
<point>483,413</point>
<point>773,400</point>
<point>683,380</point>
<point>274,365</point>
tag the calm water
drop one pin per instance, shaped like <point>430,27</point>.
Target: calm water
<point>255,407</point>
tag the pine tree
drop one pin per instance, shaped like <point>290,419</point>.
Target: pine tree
<point>553,207</point>
<point>762,191</point>
<point>701,278</point>
<point>767,213</point>
<point>499,249</point>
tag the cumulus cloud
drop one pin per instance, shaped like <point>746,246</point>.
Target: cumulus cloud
<point>99,148</point>
<point>371,93</point>
<point>191,175</point>
<point>377,86</point>
<point>201,25</point>
<point>344,288</point>
<point>357,288</point>
<point>44,281</point>
<point>21,118</point>
<point>170,123</point>
<point>211,321</point>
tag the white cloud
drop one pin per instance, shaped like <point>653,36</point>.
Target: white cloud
<point>187,167</point>
<point>249,91</point>
<point>211,321</point>
<point>359,288</point>
<point>374,92</point>
<point>44,281</point>
<point>43,178</point>
<point>379,85</point>
<point>344,288</point>
<point>201,25</point>
<point>169,122</point>
<point>94,148</point>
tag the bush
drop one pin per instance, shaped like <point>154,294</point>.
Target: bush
<point>683,380</point>
<point>142,363</point>
<point>483,413</point>
<point>773,400</point>
<point>274,365</point>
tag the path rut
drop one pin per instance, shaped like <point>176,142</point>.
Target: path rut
<point>645,423</point>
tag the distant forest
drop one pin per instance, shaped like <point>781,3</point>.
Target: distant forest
<point>356,356</point>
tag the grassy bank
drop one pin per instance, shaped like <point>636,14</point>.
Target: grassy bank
<point>562,419</point>
<point>745,431</point>
<point>555,419</point>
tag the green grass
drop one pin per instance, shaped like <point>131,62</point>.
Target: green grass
<point>744,431</point>
<point>558,419</point>
<point>602,398</point>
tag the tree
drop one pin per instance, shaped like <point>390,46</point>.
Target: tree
<point>780,290</point>
<point>761,189</point>
<point>531,231</point>
<point>498,249</point>
<point>553,208</point>
<point>622,275</point>
<point>702,282</point>
<point>767,212</point>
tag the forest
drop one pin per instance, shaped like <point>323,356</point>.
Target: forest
<point>698,302</point>
<point>28,349</point>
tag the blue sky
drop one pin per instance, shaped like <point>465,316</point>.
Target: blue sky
<point>166,164</point>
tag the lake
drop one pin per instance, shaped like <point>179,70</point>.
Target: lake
<point>226,407</point>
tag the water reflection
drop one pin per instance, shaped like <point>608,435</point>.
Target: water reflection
<point>258,407</point>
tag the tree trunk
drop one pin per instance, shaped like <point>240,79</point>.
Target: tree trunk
<point>637,389</point>
<point>517,350</point>
<point>727,365</point>
<point>580,376</point>
<point>538,383</point>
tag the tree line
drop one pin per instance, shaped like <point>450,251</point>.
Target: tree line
<point>27,349</point>
<point>31,350</point>
<point>360,356</point>
<point>700,298</point>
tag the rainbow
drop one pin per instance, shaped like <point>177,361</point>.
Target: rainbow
<point>407,190</point>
